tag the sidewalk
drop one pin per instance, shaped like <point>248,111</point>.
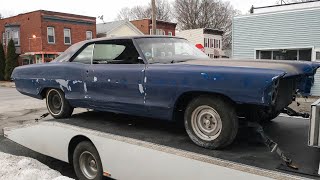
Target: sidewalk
<point>304,104</point>
<point>7,84</point>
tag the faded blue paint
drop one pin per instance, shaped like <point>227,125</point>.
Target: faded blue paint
<point>116,87</point>
<point>153,89</point>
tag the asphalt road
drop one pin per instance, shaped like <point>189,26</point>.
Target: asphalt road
<point>290,133</point>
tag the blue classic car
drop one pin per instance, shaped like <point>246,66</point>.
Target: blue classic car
<point>166,78</point>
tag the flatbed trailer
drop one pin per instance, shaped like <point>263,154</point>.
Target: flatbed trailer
<point>141,148</point>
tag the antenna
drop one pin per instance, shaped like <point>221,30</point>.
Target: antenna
<point>101,18</point>
<point>282,2</point>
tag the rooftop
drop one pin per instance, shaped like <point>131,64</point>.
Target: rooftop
<point>285,6</point>
<point>52,12</point>
<point>161,21</point>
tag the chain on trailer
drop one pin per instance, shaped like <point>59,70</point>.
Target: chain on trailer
<point>41,117</point>
<point>273,146</point>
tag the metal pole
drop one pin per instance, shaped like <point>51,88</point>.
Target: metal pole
<point>154,17</point>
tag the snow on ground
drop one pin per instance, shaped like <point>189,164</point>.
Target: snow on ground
<point>24,168</point>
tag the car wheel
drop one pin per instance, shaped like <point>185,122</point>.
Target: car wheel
<point>57,105</point>
<point>211,122</point>
<point>86,162</point>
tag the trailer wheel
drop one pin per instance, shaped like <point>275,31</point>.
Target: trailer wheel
<point>57,105</point>
<point>86,162</point>
<point>211,122</point>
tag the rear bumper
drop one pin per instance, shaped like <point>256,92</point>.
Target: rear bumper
<point>314,127</point>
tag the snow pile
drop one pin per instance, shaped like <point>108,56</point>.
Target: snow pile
<point>23,168</point>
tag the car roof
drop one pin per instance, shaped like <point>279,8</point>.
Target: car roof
<point>132,37</point>
<point>75,47</point>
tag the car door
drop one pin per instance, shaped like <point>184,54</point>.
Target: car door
<point>115,79</point>
<point>76,74</point>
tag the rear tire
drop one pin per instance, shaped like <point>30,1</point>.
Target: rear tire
<point>86,162</point>
<point>211,122</point>
<point>57,105</point>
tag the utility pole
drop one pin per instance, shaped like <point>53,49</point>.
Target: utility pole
<point>154,17</point>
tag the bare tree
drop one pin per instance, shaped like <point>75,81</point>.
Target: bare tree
<point>140,12</point>
<point>215,14</point>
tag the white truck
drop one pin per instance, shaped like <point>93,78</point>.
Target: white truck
<point>101,145</point>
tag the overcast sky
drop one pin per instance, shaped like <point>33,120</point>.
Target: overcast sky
<point>108,8</point>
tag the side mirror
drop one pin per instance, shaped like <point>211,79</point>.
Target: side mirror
<point>140,60</point>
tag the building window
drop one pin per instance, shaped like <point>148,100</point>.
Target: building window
<point>8,37</point>
<point>305,55</point>
<point>67,36</point>
<point>318,56</point>
<point>15,38</point>
<point>284,54</point>
<point>219,43</point>
<point>88,35</point>
<point>51,35</point>
<point>265,55</point>
<point>205,42</point>
<point>170,33</point>
<point>4,39</point>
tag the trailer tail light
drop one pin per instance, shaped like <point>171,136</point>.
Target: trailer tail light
<point>314,126</point>
<point>106,174</point>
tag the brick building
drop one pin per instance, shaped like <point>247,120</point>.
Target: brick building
<point>40,36</point>
<point>163,27</point>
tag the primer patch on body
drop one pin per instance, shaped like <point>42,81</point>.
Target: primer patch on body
<point>76,81</point>
<point>141,89</point>
<point>85,87</point>
<point>95,79</point>
<point>63,83</point>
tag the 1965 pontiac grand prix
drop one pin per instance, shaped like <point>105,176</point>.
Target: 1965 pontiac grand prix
<point>166,78</point>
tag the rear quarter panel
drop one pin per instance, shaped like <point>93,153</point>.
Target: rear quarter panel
<point>166,83</point>
<point>31,80</point>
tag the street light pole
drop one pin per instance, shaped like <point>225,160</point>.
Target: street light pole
<point>34,37</point>
<point>154,17</point>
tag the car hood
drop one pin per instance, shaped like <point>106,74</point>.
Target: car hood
<point>290,68</point>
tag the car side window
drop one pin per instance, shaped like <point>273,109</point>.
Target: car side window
<point>115,52</point>
<point>85,55</point>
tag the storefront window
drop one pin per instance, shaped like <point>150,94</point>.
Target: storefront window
<point>299,54</point>
<point>305,55</point>
<point>285,55</point>
<point>265,54</point>
<point>318,56</point>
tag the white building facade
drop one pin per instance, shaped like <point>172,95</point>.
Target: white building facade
<point>117,28</point>
<point>280,32</point>
<point>210,39</point>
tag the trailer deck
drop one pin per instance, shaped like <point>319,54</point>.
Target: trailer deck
<point>246,154</point>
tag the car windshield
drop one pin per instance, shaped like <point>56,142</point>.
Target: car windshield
<point>67,54</point>
<point>169,50</point>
